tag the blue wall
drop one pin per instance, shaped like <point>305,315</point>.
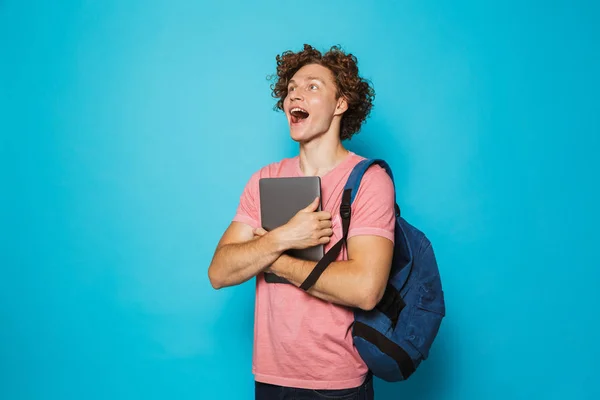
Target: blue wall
<point>128,130</point>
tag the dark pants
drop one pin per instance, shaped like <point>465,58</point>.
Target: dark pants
<point>264,391</point>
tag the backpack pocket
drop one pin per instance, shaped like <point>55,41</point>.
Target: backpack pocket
<point>426,316</point>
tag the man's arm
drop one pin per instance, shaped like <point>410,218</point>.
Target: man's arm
<point>358,282</point>
<point>240,256</point>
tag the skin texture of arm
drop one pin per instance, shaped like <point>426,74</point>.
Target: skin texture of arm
<point>358,282</point>
<point>240,256</point>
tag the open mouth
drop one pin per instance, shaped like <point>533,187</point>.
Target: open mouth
<point>298,114</point>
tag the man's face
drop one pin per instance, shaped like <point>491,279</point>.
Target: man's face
<point>311,103</point>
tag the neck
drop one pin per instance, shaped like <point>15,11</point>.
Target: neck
<point>321,155</point>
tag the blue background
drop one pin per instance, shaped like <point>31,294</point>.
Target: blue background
<point>130,127</point>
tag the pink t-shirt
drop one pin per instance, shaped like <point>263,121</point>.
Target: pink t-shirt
<point>300,340</point>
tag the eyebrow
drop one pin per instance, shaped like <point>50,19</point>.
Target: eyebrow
<point>311,78</point>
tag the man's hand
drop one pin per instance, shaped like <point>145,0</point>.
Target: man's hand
<point>306,229</point>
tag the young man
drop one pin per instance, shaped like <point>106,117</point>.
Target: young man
<point>303,340</point>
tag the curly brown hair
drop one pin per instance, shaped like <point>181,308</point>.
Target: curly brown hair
<point>356,90</point>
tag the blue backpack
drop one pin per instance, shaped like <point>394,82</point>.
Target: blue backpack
<point>397,334</point>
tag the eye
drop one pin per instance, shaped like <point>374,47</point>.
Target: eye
<point>313,86</point>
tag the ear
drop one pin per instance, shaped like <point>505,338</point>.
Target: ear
<point>342,106</point>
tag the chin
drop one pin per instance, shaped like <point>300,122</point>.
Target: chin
<point>302,135</point>
<point>298,136</point>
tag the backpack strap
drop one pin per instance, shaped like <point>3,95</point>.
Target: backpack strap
<point>350,190</point>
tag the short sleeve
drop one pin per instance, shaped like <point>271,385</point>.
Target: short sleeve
<point>373,208</point>
<point>248,210</point>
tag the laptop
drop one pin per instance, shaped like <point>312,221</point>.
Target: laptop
<point>280,200</point>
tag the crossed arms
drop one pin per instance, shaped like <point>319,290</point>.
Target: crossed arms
<point>360,281</point>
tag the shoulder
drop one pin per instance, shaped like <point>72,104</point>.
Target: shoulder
<point>283,167</point>
<point>374,172</point>
<point>374,204</point>
<point>378,174</point>
<point>377,178</point>
<point>376,189</point>
<point>276,168</point>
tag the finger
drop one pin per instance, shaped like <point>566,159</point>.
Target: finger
<point>325,223</point>
<point>260,232</point>
<point>312,206</point>
<point>326,232</point>
<point>324,240</point>
<point>323,215</point>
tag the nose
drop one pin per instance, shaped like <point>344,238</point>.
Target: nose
<point>295,95</point>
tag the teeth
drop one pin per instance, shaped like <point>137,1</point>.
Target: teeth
<point>299,113</point>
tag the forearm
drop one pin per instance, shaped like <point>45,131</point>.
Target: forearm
<point>235,263</point>
<point>341,283</point>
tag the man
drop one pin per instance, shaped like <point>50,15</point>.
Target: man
<point>303,340</point>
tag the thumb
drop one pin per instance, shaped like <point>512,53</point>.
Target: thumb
<point>312,206</point>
